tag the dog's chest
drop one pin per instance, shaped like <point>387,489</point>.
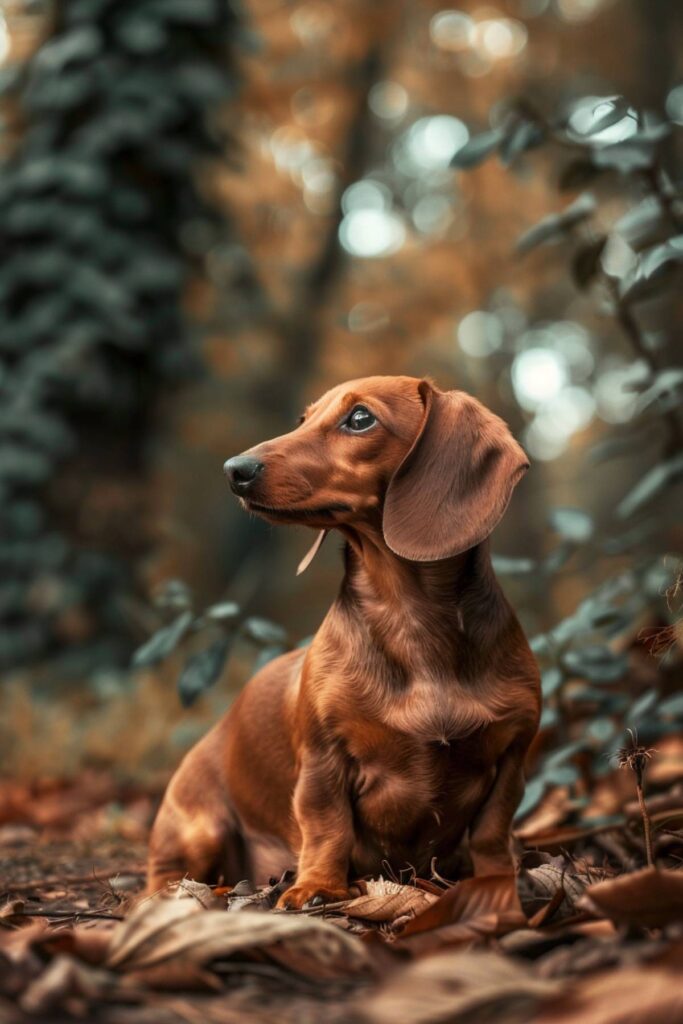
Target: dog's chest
<point>437,710</point>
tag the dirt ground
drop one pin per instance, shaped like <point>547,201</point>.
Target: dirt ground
<point>585,932</point>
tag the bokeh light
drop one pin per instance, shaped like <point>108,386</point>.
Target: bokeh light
<point>538,375</point>
<point>432,142</point>
<point>433,214</point>
<point>480,334</point>
<point>578,10</point>
<point>370,233</point>
<point>4,38</point>
<point>366,195</point>
<point>452,30</point>
<point>388,101</point>
<point>500,38</point>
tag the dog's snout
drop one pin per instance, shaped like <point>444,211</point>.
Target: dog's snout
<point>242,471</point>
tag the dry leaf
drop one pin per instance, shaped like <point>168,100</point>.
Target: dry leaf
<point>448,985</point>
<point>64,978</point>
<point>649,898</point>
<point>471,911</point>
<point>550,890</point>
<point>634,995</point>
<point>179,931</point>
<point>386,901</point>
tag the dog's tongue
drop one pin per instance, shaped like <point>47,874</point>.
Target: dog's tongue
<point>312,552</point>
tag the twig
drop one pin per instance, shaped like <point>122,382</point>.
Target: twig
<point>68,880</point>
<point>89,914</point>
<point>635,759</point>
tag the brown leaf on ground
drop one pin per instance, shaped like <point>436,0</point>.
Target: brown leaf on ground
<point>472,911</point>
<point>459,986</point>
<point>387,901</point>
<point>550,887</point>
<point>19,962</point>
<point>649,898</point>
<point>65,979</point>
<point>633,995</point>
<point>180,932</point>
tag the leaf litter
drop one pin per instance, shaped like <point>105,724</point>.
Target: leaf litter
<point>585,931</point>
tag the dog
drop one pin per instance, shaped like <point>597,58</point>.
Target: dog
<point>398,737</point>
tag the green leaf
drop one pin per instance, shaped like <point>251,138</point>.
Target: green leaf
<point>477,149</point>
<point>226,611</point>
<point>533,794</point>
<point>661,476</point>
<point>620,109</point>
<point>572,523</point>
<point>625,157</point>
<point>524,136</point>
<point>264,632</point>
<point>672,707</point>
<point>163,642</point>
<point>650,269</point>
<point>665,393</point>
<point>557,225</point>
<point>173,595</point>
<point>640,223</point>
<point>596,663</point>
<point>551,680</point>
<point>513,566</point>
<point>201,670</point>
<point>645,704</point>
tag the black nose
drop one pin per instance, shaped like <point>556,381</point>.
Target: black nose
<point>241,471</point>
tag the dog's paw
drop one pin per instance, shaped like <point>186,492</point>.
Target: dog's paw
<point>312,894</point>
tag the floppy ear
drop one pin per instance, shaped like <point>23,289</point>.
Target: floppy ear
<point>455,483</point>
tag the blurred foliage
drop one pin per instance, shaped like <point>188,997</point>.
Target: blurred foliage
<point>592,687</point>
<point>103,223</point>
<point>598,676</point>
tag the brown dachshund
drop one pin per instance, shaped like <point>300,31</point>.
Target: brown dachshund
<point>401,731</point>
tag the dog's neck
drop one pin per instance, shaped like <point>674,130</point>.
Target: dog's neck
<point>450,610</point>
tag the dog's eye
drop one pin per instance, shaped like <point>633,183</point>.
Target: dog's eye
<point>360,419</point>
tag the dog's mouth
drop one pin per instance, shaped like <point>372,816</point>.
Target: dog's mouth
<point>322,512</point>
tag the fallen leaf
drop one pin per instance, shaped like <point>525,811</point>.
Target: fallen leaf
<point>447,986</point>
<point>65,978</point>
<point>180,932</point>
<point>623,996</point>
<point>650,898</point>
<point>472,911</point>
<point>386,901</point>
<point>550,888</point>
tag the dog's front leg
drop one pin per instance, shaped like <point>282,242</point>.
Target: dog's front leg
<point>323,813</point>
<point>490,832</point>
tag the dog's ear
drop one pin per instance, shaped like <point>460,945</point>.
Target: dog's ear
<point>455,483</point>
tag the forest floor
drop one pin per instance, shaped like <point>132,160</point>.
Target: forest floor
<point>585,932</point>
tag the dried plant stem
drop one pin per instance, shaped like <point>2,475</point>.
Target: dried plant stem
<point>647,824</point>
<point>635,759</point>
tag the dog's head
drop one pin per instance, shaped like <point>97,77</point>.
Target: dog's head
<point>432,470</point>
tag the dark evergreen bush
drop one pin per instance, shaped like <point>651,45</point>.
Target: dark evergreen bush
<point>102,220</point>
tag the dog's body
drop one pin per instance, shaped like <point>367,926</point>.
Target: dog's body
<point>402,729</point>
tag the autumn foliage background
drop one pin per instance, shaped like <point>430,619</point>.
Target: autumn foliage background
<point>209,216</point>
<point>213,215</point>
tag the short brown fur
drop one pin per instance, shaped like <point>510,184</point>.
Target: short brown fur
<point>401,731</point>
